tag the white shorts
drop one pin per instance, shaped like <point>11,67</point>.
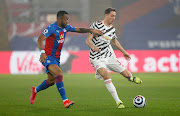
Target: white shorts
<point>110,63</point>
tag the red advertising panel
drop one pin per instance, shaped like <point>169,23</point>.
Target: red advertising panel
<point>25,63</point>
<point>78,62</point>
<point>141,61</point>
<point>4,62</point>
<point>152,61</point>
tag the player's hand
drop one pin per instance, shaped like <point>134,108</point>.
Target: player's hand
<point>126,55</point>
<point>96,49</point>
<point>43,57</point>
<point>96,32</point>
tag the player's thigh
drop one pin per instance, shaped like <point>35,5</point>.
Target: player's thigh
<point>114,65</point>
<point>54,70</point>
<point>97,64</point>
<point>100,69</point>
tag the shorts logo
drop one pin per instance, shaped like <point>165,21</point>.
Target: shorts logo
<point>48,61</point>
<point>119,62</point>
<point>97,66</point>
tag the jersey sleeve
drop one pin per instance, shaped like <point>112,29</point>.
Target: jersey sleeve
<point>48,31</point>
<point>114,35</point>
<point>70,28</point>
<point>92,26</point>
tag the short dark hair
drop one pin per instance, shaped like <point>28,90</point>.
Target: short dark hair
<point>108,10</point>
<point>61,13</point>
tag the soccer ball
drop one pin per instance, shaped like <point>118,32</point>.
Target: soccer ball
<point>139,101</point>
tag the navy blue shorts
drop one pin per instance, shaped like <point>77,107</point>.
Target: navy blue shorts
<point>51,60</point>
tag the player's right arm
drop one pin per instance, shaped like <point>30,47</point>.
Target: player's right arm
<point>89,43</point>
<point>44,34</point>
<point>84,30</point>
<point>43,56</point>
<point>89,40</point>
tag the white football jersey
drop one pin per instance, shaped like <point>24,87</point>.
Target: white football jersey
<point>103,42</point>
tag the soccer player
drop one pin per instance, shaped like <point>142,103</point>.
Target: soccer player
<point>102,56</point>
<point>54,35</point>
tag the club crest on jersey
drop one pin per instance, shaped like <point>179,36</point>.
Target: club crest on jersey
<point>105,37</point>
<point>61,38</point>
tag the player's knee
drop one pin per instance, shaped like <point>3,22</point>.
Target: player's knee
<point>104,73</point>
<point>54,70</point>
<point>59,78</point>
<point>57,74</point>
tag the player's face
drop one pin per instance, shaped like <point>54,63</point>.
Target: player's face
<point>111,17</point>
<point>64,21</point>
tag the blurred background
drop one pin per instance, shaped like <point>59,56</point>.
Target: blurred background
<point>148,29</point>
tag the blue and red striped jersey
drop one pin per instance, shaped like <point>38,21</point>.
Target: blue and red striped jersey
<point>55,39</point>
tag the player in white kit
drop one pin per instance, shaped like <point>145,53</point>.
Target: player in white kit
<point>102,56</point>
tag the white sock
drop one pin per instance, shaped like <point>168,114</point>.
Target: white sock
<point>111,88</point>
<point>35,90</point>
<point>65,100</point>
<point>131,78</point>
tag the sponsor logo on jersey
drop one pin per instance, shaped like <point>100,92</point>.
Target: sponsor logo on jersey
<point>61,38</point>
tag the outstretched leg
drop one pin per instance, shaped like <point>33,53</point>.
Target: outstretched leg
<point>129,76</point>
<point>44,85</point>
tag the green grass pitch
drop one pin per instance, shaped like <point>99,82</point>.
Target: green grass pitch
<point>161,90</point>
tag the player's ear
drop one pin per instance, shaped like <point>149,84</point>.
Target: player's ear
<point>107,14</point>
<point>60,18</point>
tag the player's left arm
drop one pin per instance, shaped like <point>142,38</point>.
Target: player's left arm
<point>116,43</point>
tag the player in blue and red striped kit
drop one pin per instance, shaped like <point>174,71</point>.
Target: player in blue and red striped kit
<point>54,35</point>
